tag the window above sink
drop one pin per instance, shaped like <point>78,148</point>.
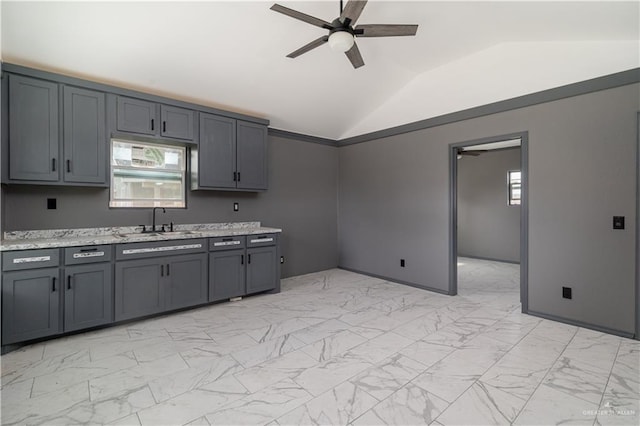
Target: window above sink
<point>147,175</point>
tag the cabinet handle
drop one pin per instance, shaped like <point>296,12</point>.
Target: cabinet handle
<point>68,166</point>
<point>168,270</point>
<point>235,176</point>
<point>238,176</point>
<point>53,164</point>
<point>242,259</point>
<point>162,270</point>
<point>249,259</point>
<point>53,284</point>
<point>164,126</point>
<point>152,124</point>
<point>68,282</point>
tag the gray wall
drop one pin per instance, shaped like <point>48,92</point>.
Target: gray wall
<point>393,202</point>
<point>301,200</point>
<point>487,226</point>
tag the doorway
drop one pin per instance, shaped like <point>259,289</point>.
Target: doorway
<point>515,191</point>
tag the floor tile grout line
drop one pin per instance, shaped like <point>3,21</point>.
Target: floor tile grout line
<point>545,376</point>
<point>604,391</point>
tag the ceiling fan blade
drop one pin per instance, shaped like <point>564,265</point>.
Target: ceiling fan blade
<point>301,16</point>
<point>307,47</point>
<point>384,30</point>
<point>473,153</point>
<point>352,10</point>
<point>354,56</point>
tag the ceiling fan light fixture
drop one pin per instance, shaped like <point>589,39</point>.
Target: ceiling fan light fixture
<point>341,41</point>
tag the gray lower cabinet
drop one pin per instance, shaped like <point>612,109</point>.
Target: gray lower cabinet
<point>33,130</point>
<point>88,296</point>
<point>160,276</point>
<point>30,304</point>
<point>226,274</point>
<point>261,269</point>
<point>139,288</point>
<point>186,280</point>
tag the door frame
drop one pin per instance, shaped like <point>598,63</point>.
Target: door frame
<point>524,211</point>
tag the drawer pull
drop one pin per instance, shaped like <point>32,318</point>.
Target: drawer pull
<point>161,249</point>
<point>90,254</point>
<point>226,243</point>
<point>32,259</point>
<point>261,240</point>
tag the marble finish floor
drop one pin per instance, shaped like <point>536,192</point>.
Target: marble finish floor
<point>334,347</point>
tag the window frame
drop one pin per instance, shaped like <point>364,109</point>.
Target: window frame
<point>513,184</point>
<point>150,202</point>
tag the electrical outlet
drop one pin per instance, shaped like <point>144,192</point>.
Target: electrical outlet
<point>402,263</point>
<point>236,207</point>
<point>51,203</point>
<point>281,259</point>
<point>566,292</point>
<point>618,222</point>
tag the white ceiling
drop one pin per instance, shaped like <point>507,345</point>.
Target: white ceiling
<point>231,54</point>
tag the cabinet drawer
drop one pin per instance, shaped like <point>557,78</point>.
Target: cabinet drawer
<point>30,259</point>
<point>226,243</point>
<point>159,248</point>
<point>260,240</point>
<point>87,254</point>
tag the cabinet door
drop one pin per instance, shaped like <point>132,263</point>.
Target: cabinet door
<point>139,289</point>
<point>88,296</point>
<point>176,122</point>
<point>187,280</point>
<point>252,156</point>
<point>85,142</point>
<point>226,274</point>
<point>30,304</point>
<point>33,129</point>
<point>261,269</point>
<point>137,116</point>
<point>217,152</point>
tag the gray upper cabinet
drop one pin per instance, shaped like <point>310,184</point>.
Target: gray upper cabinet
<point>85,137</point>
<point>252,155</point>
<point>33,130</point>
<point>177,123</point>
<point>141,117</point>
<point>136,116</point>
<point>232,155</point>
<point>216,152</point>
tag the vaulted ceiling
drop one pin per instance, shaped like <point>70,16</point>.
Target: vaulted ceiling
<point>232,54</point>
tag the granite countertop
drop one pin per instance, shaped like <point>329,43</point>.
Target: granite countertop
<point>38,239</point>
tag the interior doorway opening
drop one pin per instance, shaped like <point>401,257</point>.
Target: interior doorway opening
<point>488,221</point>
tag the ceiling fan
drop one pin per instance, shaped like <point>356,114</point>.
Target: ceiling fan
<point>342,32</point>
<point>471,153</point>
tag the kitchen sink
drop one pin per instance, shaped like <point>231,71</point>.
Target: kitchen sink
<point>154,234</point>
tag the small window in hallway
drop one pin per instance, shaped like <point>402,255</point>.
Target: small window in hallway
<point>514,181</point>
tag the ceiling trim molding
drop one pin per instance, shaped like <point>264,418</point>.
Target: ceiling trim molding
<point>302,137</point>
<point>610,81</point>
